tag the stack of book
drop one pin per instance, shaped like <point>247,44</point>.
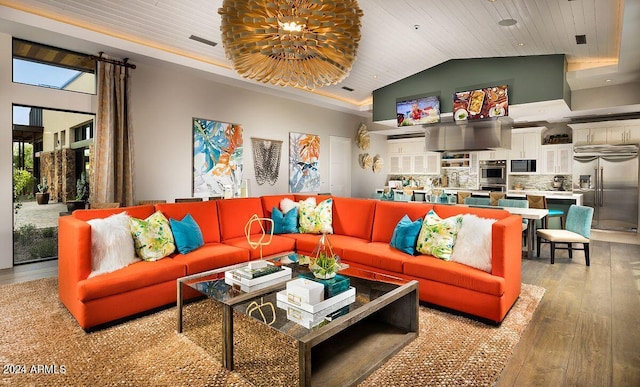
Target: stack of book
<point>250,278</point>
<point>322,309</point>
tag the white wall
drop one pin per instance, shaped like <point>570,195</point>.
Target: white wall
<point>164,101</point>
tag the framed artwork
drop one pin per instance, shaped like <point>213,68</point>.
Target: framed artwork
<point>304,156</point>
<point>266,160</point>
<point>217,157</point>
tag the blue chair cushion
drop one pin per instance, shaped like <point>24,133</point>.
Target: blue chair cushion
<point>405,235</point>
<point>556,213</point>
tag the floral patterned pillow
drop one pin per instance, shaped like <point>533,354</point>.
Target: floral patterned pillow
<point>152,237</point>
<point>438,236</point>
<point>316,219</point>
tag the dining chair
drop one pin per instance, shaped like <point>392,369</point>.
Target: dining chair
<point>479,201</point>
<point>463,195</point>
<point>187,200</point>
<point>520,204</point>
<point>495,196</point>
<point>540,201</point>
<point>400,196</point>
<point>578,230</point>
<point>151,201</point>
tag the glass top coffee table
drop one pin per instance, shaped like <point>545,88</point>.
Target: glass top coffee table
<point>363,334</point>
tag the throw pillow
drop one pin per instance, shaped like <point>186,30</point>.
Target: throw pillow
<point>405,235</point>
<point>111,244</point>
<point>186,233</point>
<point>438,236</point>
<point>287,204</point>
<point>316,219</point>
<point>152,237</point>
<point>473,245</point>
<point>284,223</point>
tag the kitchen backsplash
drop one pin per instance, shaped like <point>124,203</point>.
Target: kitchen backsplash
<point>537,182</point>
<point>465,179</point>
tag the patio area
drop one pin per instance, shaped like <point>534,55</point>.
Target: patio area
<point>41,216</point>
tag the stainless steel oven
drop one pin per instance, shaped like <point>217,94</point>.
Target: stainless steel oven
<point>493,172</point>
<point>494,187</point>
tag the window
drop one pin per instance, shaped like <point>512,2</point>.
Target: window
<point>83,131</point>
<point>45,66</point>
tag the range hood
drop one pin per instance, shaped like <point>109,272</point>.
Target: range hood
<point>470,135</point>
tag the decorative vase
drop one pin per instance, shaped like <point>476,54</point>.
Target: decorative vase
<point>324,264</point>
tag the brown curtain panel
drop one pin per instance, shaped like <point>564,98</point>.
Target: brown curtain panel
<point>112,177</point>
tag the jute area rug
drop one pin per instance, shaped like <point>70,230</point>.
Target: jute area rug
<point>41,344</point>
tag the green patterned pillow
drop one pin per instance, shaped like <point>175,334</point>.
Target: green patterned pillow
<point>152,237</point>
<point>316,219</point>
<point>437,236</point>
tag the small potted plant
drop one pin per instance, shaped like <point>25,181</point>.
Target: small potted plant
<point>324,264</point>
<point>82,194</point>
<point>42,196</point>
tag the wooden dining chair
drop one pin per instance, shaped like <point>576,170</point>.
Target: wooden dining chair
<point>463,195</point>
<point>578,230</point>
<point>187,200</point>
<point>495,196</point>
<point>540,201</point>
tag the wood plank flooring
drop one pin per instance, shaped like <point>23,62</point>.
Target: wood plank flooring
<point>584,333</point>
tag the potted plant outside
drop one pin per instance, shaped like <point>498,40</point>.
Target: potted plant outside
<point>42,196</point>
<point>82,194</point>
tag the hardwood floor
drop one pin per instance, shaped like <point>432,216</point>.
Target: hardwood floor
<point>584,333</point>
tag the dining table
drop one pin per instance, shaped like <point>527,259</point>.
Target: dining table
<point>532,214</point>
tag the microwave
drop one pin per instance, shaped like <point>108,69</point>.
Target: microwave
<point>523,166</point>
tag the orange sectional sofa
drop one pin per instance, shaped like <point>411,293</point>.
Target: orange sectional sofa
<point>362,231</point>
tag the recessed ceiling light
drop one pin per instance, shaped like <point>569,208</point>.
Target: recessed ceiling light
<point>607,80</point>
<point>507,22</point>
<point>521,44</point>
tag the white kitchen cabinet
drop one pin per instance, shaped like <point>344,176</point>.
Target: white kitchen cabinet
<point>408,156</point>
<point>623,135</point>
<point>432,163</point>
<point>593,136</point>
<point>499,154</point>
<point>524,145</point>
<point>557,159</point>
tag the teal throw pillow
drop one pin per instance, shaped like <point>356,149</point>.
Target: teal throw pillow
<point>187,234</point>
<point>284,223</point>
<point>405,235</point>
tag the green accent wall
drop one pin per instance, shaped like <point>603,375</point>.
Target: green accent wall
<point>530,79</point>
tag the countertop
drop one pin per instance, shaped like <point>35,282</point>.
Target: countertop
<point>577,196</point>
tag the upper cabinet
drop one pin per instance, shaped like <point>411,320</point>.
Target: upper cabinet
<point>409,156</point>
<point>557,159</point>
<point>608,132</point>
<point>498,154</point>
<point>525,144</point>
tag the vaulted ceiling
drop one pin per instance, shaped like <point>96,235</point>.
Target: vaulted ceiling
<point>399,37</point>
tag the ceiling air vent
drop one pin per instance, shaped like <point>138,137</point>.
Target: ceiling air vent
<point>581,39</point>
<point>347,88</point>
<point>203,40</point>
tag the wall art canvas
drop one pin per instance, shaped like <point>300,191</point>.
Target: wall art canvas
<point>217,157</point>
<point>266,160</point>
<point>304,156</point>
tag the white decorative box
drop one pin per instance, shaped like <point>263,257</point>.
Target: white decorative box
<point>309,320</point>
<point>250,285</point>
<point>320,306</point>
<point>303,290</point>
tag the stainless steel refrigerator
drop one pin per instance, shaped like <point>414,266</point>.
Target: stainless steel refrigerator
<point>607,176</point>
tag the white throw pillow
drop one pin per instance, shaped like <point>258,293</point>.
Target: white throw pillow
<point>111,244</point>
<point>473,246</point>
<point>287,204</point>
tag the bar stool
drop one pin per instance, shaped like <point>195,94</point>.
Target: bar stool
<point>463,195</point>
<point>540,201</point>
<point>495,197</point>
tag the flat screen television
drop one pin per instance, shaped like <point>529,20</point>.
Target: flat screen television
<point>483,103</point>
<point>418,111</point>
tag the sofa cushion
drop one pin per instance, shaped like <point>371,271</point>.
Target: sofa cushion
<point>279,244</point>
<point>132,277</point>
<point>111,244</point>
<point>455,274</point>
<point>212,256</point>
<point>140,212</point>
<point>379,255</point>
<point>388,214</point>
<point>152,237</point>
<point>186,234</point>
<point>284,223</point>
<point>445,211</point>
<point>235,213</point>
<point>473,244</point>
<point>353,217</point>
<point>405,235</point>
<point>205,213</point>
<point>316,219</point>
<point>437,235</point>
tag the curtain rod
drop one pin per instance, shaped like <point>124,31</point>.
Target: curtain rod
<point>124,62</point>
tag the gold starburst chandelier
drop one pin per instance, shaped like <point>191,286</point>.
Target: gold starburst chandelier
<point>302,43</point>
